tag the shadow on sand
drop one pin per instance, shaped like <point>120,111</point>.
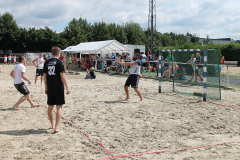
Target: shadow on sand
<point>25,132</point>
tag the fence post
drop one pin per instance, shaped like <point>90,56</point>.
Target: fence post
<point>159,71</point>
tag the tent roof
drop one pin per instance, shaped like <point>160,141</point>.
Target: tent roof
<point>98,47</point>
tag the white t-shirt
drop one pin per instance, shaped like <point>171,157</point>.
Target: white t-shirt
<point>9,58</point>
<point>135,69</point>
<point>18,69</point>
<point>40,63</point>
<point>5,59</point>
<point>193,64</point>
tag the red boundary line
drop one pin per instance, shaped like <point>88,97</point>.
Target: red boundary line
<point>171,150</point>
<point>87,136</point>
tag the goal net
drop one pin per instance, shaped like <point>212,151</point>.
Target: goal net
<point>193,72</point>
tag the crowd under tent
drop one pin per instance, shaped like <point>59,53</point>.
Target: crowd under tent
<point>99,47</point>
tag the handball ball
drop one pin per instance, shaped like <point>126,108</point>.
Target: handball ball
<point>140,76</point>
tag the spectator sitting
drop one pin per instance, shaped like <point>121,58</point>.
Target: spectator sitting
<point>175,69</point>
<point>90,74</point>
<point>107,67</point>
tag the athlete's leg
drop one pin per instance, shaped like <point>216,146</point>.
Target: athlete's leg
<point>41,79</point>
<point>30,101</point>
<point>20,101</point>
<point>36,79</point>
<point>126,91</point>
<point>58,118</point>
<point>50,115</point>
<point>139,94</point>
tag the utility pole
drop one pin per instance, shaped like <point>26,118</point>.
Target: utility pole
<point>151,25</point>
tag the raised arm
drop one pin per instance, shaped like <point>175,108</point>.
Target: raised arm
<point>126,63</point>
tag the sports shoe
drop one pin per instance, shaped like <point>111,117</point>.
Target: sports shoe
<point>196,81</point>
<point>190,80</point>
<point>200,81</point>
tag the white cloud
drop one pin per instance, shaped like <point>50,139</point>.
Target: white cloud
<point>218,18</point>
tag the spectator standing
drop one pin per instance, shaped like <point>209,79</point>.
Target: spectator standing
<point>14,59</point>
<point>69,62</point>
<point>199,62</point>
<point>5,58</point>
<point>192,62</point>
<point>98,61</point>
<point>223,60</point>
<point>113,58</point>
<point>9,59</point>
<point>169,57</point>
<point>144,57</point>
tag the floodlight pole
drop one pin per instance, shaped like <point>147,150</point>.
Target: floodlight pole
<point>151,25</point>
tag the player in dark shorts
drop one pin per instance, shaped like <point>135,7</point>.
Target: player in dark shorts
<point>18,73</point>
<point>133,79</point>
<point>54,81</point>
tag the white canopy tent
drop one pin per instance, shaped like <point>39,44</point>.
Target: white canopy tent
<point>98,47</point>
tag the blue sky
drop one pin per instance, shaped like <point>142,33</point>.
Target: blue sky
<point>216,18</point>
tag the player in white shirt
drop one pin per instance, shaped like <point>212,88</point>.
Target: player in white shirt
<point>133,79</point>
<point>5,59</point>
<point>40,64</point>
<point>192,62</point>
<point>18,73</point>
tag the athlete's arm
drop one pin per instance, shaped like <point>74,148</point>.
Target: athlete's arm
<point>33,62</point>
<point>63,77</point>
<point>45,82</point>
<point>24,77</point>
<point>12,73</point>
<point>126,63</point>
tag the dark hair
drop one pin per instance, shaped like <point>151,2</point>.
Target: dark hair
<point>20,58</point>
<point>137,54</point>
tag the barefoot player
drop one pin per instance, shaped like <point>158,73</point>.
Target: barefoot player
<point>54,81</point>
<point>40,64</point>
<point>133,79</point>
<point>18,73</point>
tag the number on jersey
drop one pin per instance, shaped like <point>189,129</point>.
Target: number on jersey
<point>51,70</point>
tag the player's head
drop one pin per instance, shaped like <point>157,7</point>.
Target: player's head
<point>197,54</point>
<point>92,68</point>
<point>135,56</point>
<point>21,59</point>
<point>56,51</point>
<point>192,56</point>
<point>41,55</point>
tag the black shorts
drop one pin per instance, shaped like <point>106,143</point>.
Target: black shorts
<point>39,72</point>
<point>22,88</point>
<point>133,81</point>
<point>144,64</point>
<point>55,98</point>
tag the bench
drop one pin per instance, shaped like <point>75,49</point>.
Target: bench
<point>231,63</point>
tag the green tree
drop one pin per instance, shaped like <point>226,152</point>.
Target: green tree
<point>100,32</point>
<point>73,33</point>
<point>8,32</point>
<point>135,33</point>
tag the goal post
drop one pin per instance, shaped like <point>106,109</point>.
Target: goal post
<point>187,77</point>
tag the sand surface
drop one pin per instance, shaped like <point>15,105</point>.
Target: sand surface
<point>163,122</point>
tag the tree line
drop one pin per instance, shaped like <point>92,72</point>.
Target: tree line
<point>19,40</point>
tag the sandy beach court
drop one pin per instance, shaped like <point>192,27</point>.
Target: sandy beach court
<point>97,109</point>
